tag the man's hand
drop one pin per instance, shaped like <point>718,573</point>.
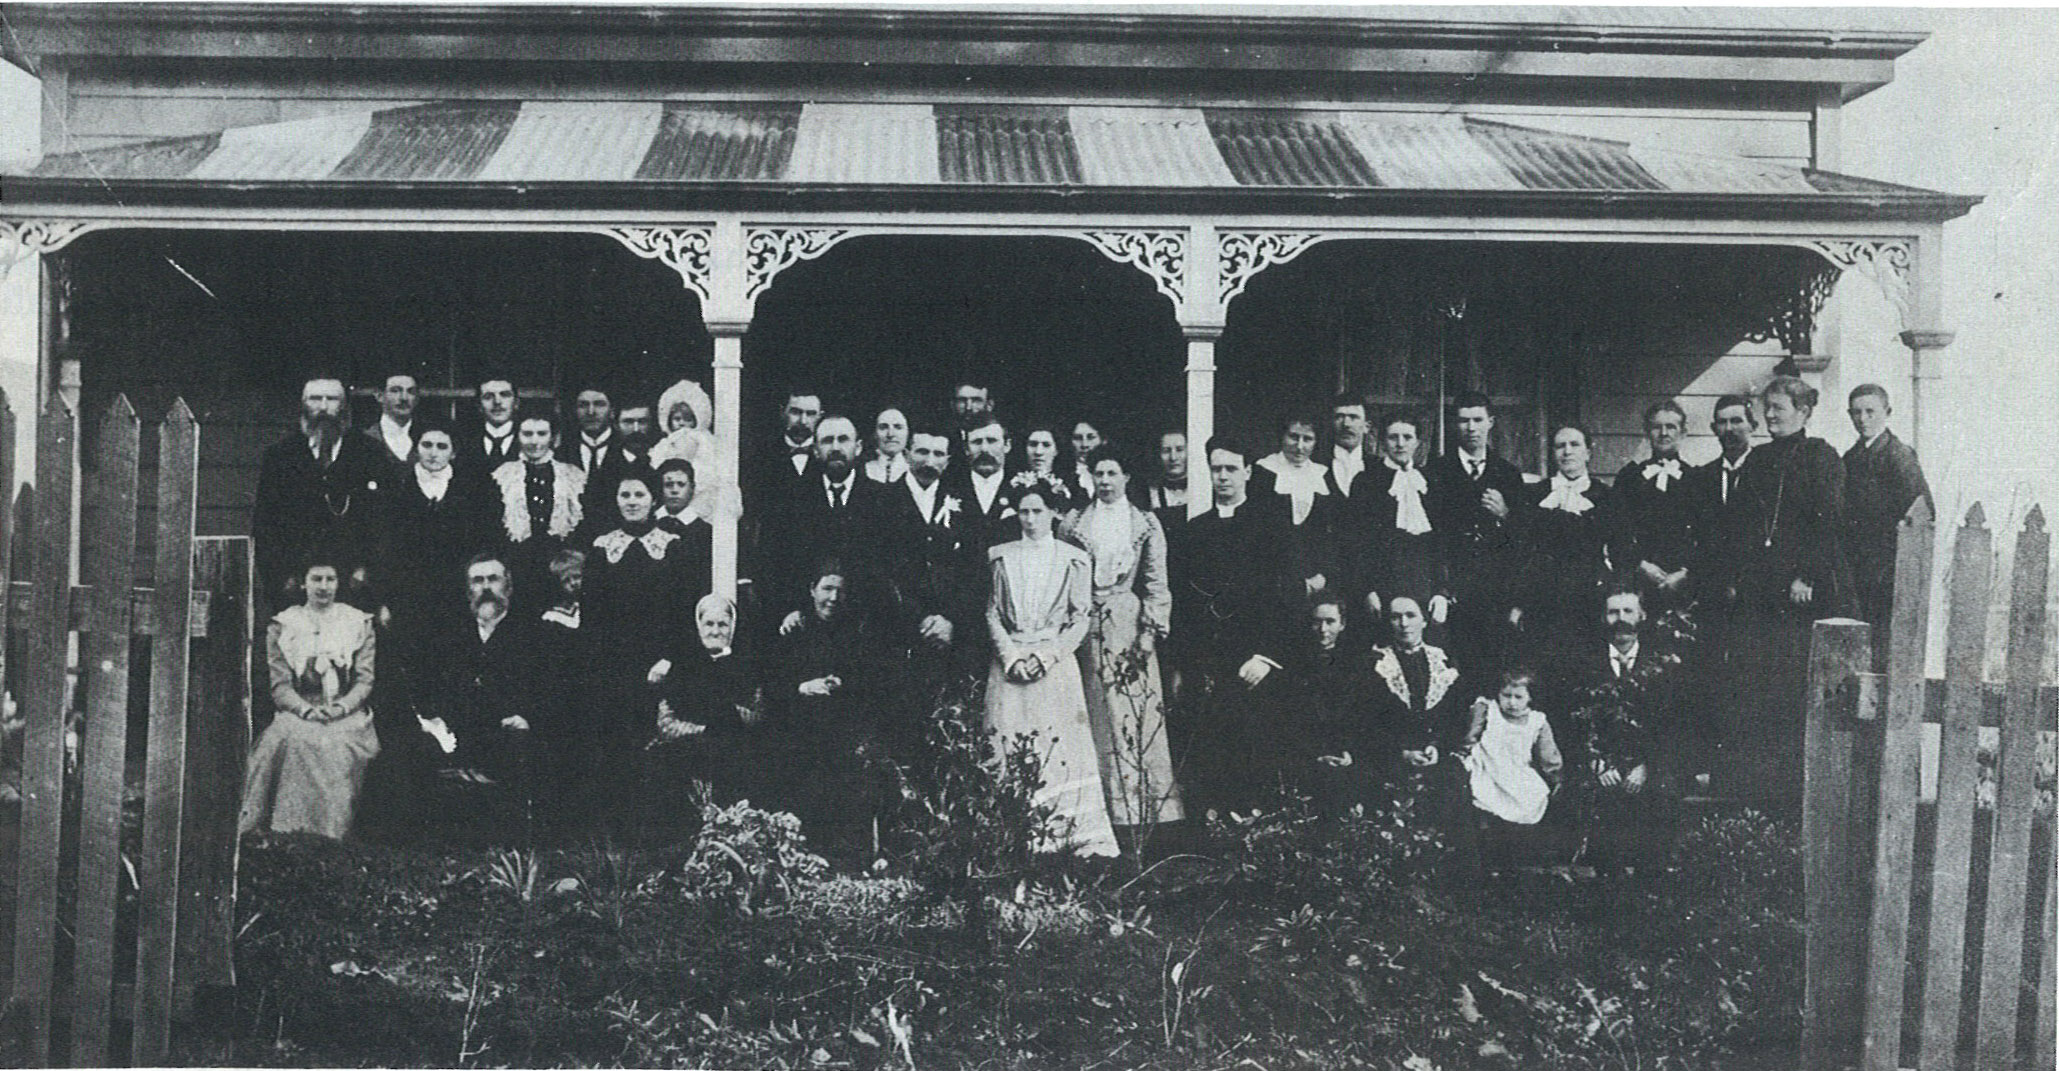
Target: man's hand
<point>1422,757</point>
<point>385,618</point>
<point>1373,603</point>
<point>1515,617</point>
<point>1610,777</point>
<point>1634,783</point>
<point>660,669</point>
<point>936,630</point>
<point>1800,592</point>
<point>1652,573</point>
<point>1673,580</point>
<point>515,721</point>
<point>1315,583</point>
<point>1492,502</point>
<point>446,741</point>
<point>1253,671</point>
<point>820,686</point>
<point>1440,608</point>
<point>1342,760</point>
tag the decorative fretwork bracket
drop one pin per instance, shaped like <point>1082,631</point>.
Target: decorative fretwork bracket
<point>1884,260</point>
<point>1244,254</point>
<point>771,250</point>
<point>683,249</point>
<point>24,238</point>
<point>1162,255</point>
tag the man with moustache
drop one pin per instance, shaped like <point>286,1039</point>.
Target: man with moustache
<point>1625,714</point>
<point>972,401</point>
<point>981,487</point>
<point>1718,501</point>
<point>1478,500</point>
<point>394,432</point>
<point>1233,597</point>
<point>481,709</point>
<point>1655,514</point>
<point>318,487</point>
<point>940,587</point>
<point>1882,480</point>
<point>493,442</point>
<point>1350,453</point>
<point>635,429</point>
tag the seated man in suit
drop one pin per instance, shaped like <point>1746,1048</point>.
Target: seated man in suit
<point>480,703</point>
<point>1623,703</point>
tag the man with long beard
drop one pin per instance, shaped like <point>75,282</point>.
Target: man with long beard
<point>318,487</point>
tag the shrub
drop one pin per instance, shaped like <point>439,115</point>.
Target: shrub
<point>1291,855</point>
<point>745,856</point>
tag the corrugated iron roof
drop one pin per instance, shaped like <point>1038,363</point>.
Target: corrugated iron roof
<point>1015,146</point>
<point>911,145</point>
<point>709,143</point>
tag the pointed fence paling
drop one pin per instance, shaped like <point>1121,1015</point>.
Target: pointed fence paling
<point>108,610</point>
<point>1864,810</point>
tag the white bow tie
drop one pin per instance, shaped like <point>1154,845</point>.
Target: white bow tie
<point>1662,473</point>
<point>1568,495</point>
<point>1407,488</point>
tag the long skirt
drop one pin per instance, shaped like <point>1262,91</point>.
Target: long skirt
<point>1126,712</point>
<point>304,776</point>
<point>1054,708</point>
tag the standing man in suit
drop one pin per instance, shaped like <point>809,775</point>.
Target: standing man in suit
<point>395,430</point>
<point>834,511</point>
<point>492,443</point>
<point>1655,516</point>
<point>1232,606</point>
<point>1882,480</point>
<point>983,485</point>
<point>940,586</point>
<point>1350,453</point>
<point>1717,500</point>
<point>601,454</point>
<point>318,488</point>
<point>1478,501</point>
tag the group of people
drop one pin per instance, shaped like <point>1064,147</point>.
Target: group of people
<point>1339,613</point>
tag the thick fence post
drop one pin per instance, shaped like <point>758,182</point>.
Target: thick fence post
<point>108,564</point>
<point>2001,974</point>
<point>217,744</point>
<point>42,760</point>
<point>8,529</point>
<point>1835,860</point>
<point>164,787</point>
<point>1894,851</point>
<point>1944,969</point>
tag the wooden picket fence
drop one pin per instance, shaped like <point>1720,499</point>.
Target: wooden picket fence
<point>1922,945</point>
<point>73,977</point>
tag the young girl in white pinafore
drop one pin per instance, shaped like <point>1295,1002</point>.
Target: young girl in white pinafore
<point>1512,762</point>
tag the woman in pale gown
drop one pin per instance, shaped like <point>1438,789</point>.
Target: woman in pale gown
<point>688,416</point>
<point>307,768</point>
<point>1119,660</point>
<point>1041,610</point>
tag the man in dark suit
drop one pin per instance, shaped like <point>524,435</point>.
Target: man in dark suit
<point>1477,505</point>
<point>318,487</point>
<point>983,485</point>
<point>1351,452</point>
<point>601,453</point>
<point>1718,501</point>
<point>1626,744</point>
<point>833,511</point>
<point>1656,518</point>
<point>939,584</point>
<point>394,431</point>
<point>1882,480</point>
<point>776,477</point>
<point>972,402</point>
<point>492,442</point>
<point>480,703</point>
<point>1232,607</point>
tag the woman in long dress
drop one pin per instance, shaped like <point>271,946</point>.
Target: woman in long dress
<point>1119,659</point>
<point>1040,612</point>
<point>631,619</point>
<point>307,768</point>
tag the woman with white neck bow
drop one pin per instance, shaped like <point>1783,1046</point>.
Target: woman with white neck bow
<point>1311,496</point>
<point>1571,530</point>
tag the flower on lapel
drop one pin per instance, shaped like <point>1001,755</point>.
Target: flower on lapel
<point>948,511</point>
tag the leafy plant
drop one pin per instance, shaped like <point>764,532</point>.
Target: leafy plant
<point>746,856</point>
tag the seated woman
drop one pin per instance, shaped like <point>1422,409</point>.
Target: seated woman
<point>631,620</point>
<point>707,703</point>
<point>1332,750</point>
<point>307,768</point>
<point>1040,611</point>
<point>824,689</point>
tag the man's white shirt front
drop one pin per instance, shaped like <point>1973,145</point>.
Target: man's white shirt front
<point>925,497</point>
<point>399,438</point>
<point>986,488</point>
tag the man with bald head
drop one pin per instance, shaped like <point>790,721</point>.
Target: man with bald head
<point>317,487</point>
